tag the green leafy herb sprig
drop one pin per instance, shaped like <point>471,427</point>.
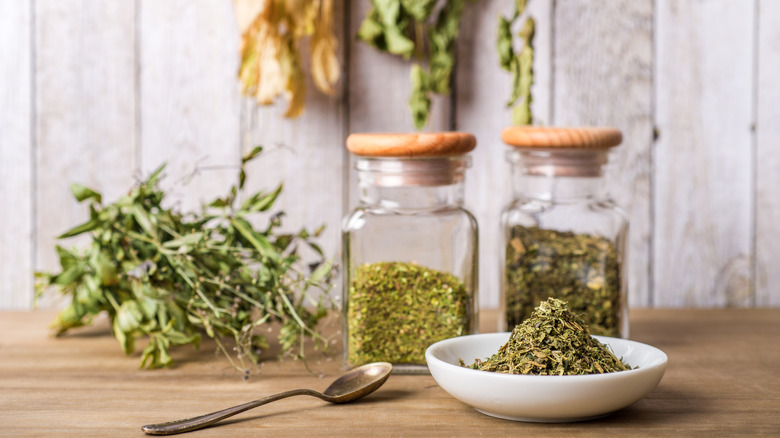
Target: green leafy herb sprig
<point>519,64</point>
<point>170,278</point>
<point>408,29</point>
<point>553,341</point>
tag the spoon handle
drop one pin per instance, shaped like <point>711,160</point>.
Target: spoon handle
<point>188,424</point>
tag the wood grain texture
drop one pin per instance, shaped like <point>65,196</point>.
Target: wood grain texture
<point>16,151</point>
<point>305,154</point>
<point>424,144</point>
<point>483,89</point>
<point>586,137</point>
<point>603,76</point>
<point>721,381</point>
<point>767,161</point>
<point>189,97</point>
<point>85,111</point>
<point>703,185</point>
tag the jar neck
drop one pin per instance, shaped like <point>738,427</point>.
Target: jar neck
<point>557,175</point>
<point>412,183</point>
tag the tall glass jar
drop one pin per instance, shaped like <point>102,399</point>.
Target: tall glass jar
<point>409,248</point>
<point>562,239</point>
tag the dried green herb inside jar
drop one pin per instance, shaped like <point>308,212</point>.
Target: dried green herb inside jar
<point>553,341</point>
<point>582,269</point>
<point>396,310</point>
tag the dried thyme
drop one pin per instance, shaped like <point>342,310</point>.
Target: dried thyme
<point>581,269</point>
<point>553,341</point>
<point>396,310</point>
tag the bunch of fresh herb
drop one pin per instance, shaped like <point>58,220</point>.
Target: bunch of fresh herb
<point>519,64</point>
<point>582,269</point>
<point>553,341</point>
<point>407,28</point>
<point>396,310</point>
<point>170,278</point>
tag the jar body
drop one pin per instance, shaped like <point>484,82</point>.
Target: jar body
<point>410,270</point>
<point>562,240</point>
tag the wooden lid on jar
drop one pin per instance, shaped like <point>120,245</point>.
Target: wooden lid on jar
<point>541,137</point>
<point>423,144</point>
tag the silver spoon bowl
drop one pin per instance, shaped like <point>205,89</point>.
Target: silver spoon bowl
<point>351,386</point>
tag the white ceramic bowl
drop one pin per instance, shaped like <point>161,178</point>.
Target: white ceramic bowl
<point>543,398</point>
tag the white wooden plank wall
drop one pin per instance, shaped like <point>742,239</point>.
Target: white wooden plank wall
<point>703,235</point>
<point>85,126</point>
<point>603,77</point>
<point>482,90</point>
<point>189,98</point>
<point>16,152</point>
<point>767,156</point>
<point>103,92</point>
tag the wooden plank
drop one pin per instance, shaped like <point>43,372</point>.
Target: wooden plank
<point>85,111</point>
<point>603,76</point>
<point>16,151</point>
<point>379,87</point>
<point>305,154</point>
<point>721,380</point>
<point>378,95</point>
<point>189,97</point>
<point>483,89</point>
<point>703,162</point>
<point>767,208</point>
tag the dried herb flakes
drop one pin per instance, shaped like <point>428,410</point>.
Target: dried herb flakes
<point>396,310</point>
<point>581,269</point>
<point>553,341</point>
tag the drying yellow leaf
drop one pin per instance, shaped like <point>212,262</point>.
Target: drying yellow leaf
<point>324,63</point>
<point>270,49</point>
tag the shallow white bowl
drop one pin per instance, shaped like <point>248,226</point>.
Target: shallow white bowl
<point>543,398</point>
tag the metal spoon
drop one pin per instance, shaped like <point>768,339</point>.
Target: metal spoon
<point>351,386</point>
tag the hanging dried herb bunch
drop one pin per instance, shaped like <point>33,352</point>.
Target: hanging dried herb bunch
<point>553,341</point>
<point>170,278</point>
<point>270,50</point>
<point>410,28</point>
<point>519,64</point>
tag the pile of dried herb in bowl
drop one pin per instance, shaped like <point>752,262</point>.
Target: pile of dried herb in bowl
<point>548,369</point>
<point>552,341</point>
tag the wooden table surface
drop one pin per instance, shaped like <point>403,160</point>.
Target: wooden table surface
<point>723,379</point>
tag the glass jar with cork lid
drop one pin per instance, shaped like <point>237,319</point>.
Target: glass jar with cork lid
<point>562,238</point>
<point>409,248</point>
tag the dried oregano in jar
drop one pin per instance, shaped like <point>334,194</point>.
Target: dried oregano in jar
<point>396,310</point>
<point>562,237</point>
<point>581,269</point>
<point>409,248</point>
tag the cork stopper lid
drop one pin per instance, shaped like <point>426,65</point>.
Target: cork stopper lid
<point>423,144</point>
<point>541,137</point>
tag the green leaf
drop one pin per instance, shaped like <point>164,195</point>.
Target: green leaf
<point>80,229</point>
<point>261,202</point>
<point>144,221</point>
<point>506,53</point>
<point>188,239</point>
<point>419,102</point>
<point>420,10</point>
<point>251,154</point>
<point>82,193</point>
